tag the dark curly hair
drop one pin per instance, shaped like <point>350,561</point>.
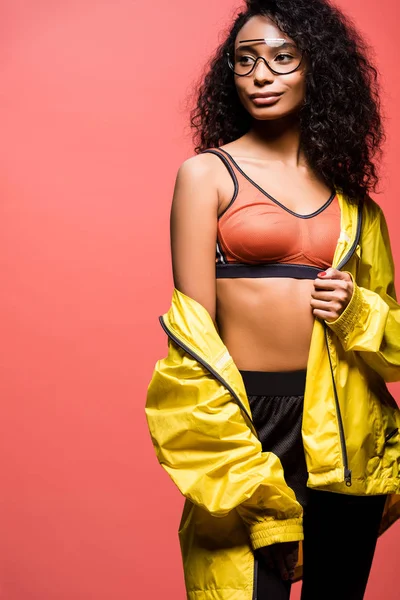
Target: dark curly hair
<point>340,121</point>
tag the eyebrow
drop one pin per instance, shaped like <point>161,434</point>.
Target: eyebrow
<point>285,43</point>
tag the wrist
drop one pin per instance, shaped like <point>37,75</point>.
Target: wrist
<point>346,321</point>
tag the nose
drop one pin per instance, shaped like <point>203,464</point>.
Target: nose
<point>262,73</point>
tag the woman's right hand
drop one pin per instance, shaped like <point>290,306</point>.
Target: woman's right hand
<point>281,558</point>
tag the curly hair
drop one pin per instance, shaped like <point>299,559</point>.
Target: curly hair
<point>340,120</point>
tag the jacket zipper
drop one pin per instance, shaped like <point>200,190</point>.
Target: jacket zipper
<point>356,240</point>
<point>210,370</point>
<point>347,471</point>
<point>237,400</point>
<point>391,434</point>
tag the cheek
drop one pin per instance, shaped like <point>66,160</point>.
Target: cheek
<point>241,87</point>
<point>297,89</point>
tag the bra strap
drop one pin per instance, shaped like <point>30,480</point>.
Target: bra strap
<point>231,170</point>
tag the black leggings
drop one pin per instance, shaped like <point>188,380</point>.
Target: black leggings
<point>340,530</point>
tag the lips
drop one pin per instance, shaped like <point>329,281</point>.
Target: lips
<point>266,95</point>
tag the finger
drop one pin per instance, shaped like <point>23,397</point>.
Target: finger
<point>332,273</point>
<point>332,306</point>
<point>324,315</point>
<point>324,295</point>
<point>330,284</point>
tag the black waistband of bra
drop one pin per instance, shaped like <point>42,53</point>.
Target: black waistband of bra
<point>274,383</point>
<point>239,270</point>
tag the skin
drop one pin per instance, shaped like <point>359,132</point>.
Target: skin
<point>249,313</point>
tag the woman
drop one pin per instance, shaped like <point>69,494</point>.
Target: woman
<point>271,412</point>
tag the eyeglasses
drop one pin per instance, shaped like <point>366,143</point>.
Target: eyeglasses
<point>283,57</point>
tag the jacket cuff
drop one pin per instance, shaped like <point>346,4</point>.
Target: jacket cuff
<point>276,531</point>
<point>346,322</point>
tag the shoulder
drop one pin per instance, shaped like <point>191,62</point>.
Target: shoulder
<point>372,213</point>
<point>371,207</point>
<point>203,178</point>
<point>197,185</point>
<point>199,167</point>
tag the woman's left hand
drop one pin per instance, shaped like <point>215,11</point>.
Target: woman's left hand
<point>332,292</point>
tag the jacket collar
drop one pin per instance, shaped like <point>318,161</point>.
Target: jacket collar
<point>348,227</point>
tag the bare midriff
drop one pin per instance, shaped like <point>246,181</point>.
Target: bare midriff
<point>266,323</point>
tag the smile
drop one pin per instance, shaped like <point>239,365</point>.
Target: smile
<point>265,99</point>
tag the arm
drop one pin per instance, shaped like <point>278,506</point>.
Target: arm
<point>203,442</point>
<point>194,216</point>
<point>370,324</point>
<point>200,434</point>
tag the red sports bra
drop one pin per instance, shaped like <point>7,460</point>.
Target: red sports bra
<point>257,236</point>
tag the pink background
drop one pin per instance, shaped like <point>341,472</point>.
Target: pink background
<point>94,125</point>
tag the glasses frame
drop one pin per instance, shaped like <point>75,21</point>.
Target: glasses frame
<point>231,66</point>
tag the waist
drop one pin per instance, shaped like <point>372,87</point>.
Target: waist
<point>274,383</point>
<point>266,324</point>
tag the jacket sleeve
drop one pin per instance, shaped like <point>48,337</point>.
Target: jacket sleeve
<point>204,443</point>
<point>370,324</point>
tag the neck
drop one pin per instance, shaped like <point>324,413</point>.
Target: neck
<point>278,140</point>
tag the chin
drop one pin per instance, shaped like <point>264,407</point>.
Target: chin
<point>269,113</point>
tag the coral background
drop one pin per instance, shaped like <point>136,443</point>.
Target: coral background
<point>94,125</point>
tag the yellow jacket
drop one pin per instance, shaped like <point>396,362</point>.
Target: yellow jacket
<point>199,418</point>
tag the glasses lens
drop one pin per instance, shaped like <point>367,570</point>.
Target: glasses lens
<point>280,61</point>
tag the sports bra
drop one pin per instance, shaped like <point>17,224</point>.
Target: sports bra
<point>257,236</point>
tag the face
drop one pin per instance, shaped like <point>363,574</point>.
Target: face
<point>264,94</point>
